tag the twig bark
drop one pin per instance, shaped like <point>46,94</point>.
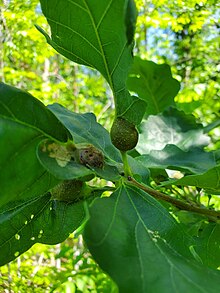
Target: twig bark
<point>176,202</point>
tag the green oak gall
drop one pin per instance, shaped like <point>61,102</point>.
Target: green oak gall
<point>124,135</point>
<point>70,191</point>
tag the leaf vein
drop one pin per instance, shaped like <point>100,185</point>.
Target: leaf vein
<point>161,251</point>
<point>76,4</point>
<point>139,256</point>
<point>104,14</point>
<point>100,45</point>
<point>75,32</point>
<point>29,222</point>
<point>112,221</point>
<point>118,60</point>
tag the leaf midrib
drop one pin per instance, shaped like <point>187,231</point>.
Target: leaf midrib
<point>99,42</point>
<point>29,126</point>
<point>161,251</point>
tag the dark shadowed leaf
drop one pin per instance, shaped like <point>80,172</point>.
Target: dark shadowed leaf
<point>172,157</point>
<point>40,220</point>
<point>24,122</point>
<point>130,20</point>
<point>143,248</point>
<point>154,84</point>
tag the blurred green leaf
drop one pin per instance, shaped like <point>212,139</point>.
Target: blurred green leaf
<point>188,108</point>
<point>39,220</point>
<point>217,155</point>
<point>24,122</point>
<point>132,227</point>
<point>172,157</point>
<point>171,127</point>
<point>154,84</point>
<point>212,126</point>
<point>130,20</point>
<point>85,33</point>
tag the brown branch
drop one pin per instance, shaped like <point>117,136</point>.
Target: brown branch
<point>176,202</point>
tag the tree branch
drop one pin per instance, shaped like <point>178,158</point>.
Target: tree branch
<point>176,202</point>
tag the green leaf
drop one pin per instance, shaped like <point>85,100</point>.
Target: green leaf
<point>171,127</point>
<point>189,107</point>
<point>154,84</point>
<point>143,248</point>
<point>24,122</point>
<point>39,220</point>
<point>172,157</point>
<point>158,175</point>
<point>130,20</point>
<point>57,159</point>
<point>130,107</point>
<point>85,129</point>
<point>217,155</point>
<point>208,180</point>
<point>84,32</point>
<point>139,170</point>
<point>209,245</point>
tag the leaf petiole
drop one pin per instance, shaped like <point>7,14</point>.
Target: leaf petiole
<point>127,169</point>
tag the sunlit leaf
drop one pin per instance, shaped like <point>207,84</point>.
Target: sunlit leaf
<point>85,33</point>
<point>154,84</point>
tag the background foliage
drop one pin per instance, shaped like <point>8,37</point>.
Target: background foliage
<point>184,34</point>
